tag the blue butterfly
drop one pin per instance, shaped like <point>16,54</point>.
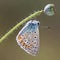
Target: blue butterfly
<point>28,37</point>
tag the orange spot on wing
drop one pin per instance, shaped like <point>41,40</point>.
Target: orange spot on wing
<point>20,38</point>
<point>23,43</point>
<point>28,46</point>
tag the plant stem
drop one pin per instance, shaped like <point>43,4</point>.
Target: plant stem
<point>19,24</point>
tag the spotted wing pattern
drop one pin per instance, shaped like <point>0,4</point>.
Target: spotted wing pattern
<point>28,38</point>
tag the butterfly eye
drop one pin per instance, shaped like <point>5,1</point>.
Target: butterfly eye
<point>49,10</point>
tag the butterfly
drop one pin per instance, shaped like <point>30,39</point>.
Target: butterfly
<point>28,37</point>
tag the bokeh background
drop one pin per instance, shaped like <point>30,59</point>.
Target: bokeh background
<point>12,12</point>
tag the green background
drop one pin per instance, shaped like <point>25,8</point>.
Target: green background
<point>12,12</point>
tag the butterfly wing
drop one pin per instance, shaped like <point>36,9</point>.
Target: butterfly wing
<point>28,38</point>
